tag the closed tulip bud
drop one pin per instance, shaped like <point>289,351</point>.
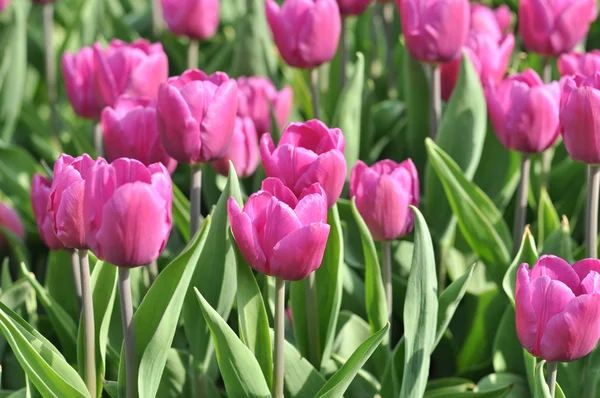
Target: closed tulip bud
<point>196,115</point>
<point>278,234</point>
<point>524,112</point>
<point>198,19</point>
<point>307,153</point>
<point>495,22</point>
<point>40,193</point>
<point>306,32</point>
<point>558,308</point>
<point>353,7</point>
<point>257,96</point>
<point>551,28</point>
<point>128,211</point>
<point>434,30</point>
<point>243,150</point>
<point>79,74</point>
<point>383,194</point>
<point>9,219</point>
<point>586,64</point>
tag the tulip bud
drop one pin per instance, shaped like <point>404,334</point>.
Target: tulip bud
<point>9,219</point>
<point>383,195</point>
<point>40,193</point>
<point>127,211</point>
<point>243,150</point>
<point>196,115</point>
<point>198,19</point>
<point>353,7</point>
<point>305,32</point>
<point>558,308</point>
<point>307,153</point>
<point>586,64</point>
<point>551,28</point>
<point>278,234</point>
<point>79,73</point>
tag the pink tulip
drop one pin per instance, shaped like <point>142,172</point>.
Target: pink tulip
<point>243,150</point>
<point>79,73</point>
<point>307,153</point>
<point>128,211</point>
<point>9,219</point>
<point>383,193</point>
<point>434,30</point>
<point>495,22</point>
<point>196,115</point>
<point>551,28</point>
<point>306,32</point>
<point>4,4</point>
<point>257,96</point>
<point>524,112</point>
<point>130,131</point>
<point>353,7</point>
<point>65,203</point>
<point>586,64</point>
<point>40,193</point>
<point>558,308</point>
<point>198,19</point>
<point>278,234</point>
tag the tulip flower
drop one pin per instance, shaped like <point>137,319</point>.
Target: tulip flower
<point>127,211</point>
<point>9,220</point>
<point>40,193</point>
<point>307,153</point>
<point>551,28</point>
<point>243,150</point>
<point>495,22</point>
<point>278,234</point>
<point>130,131</point>
<point>353,7</point>
<point>257,96</point>
<point>586,64</point>
<point>558,308</point>
<point>198,19</point>
<point>79,71</point>
<point>305,32</point>
<point>4,4</point>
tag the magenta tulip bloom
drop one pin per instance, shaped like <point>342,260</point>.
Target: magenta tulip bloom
<point>383,195</point>
<point>9,219</point>
<point>4,4</point>
<point>243,150</point>
<point>524,112</point>
<point>495,22</point>
<point>551,28</point>
<point>353,7</point>
<point>307,153</point>
<point>40,193</point>
<point>130,132</point>
<point>128,211</point>
<point>586,64</point>
<point>558,308</point>
<point>434,30</point>
<point>306,32</point>
<point>198,19</point>
<point>79,74</point>
<point>196,115</point>
<point>278,234</point>
<point>257,96</point>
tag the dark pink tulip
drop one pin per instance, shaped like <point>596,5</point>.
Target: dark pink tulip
<point>40,193</point>
<point>243,150</point>
<point>306,32</point>
<point>353,7</point>
<point>524,112</point>
<point>198,19</point>
<point>9,219</point>
<point>307,153</point>
<point>551,28</point>
<point>130,132</point>
<point>127,211</point>
<point>383,193</point>
<point>196,115</point>
<point>257,96</point>
<point>434,30</point>
<point>278,234</point>
<point>495,22</point>
<point>558,308</point>
<point>79,74</point>
<point>4,4</point>
<point>586,64</point>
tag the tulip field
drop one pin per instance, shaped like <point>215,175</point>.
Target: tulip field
<point>299,198</point>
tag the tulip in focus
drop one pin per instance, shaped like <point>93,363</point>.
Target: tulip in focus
<point>280,235</point>
<point>586,64</point>
<point>257,96</point>
<point>558,308</point>
<point>40,193</point>
<point>243,150</point>
<point>353,7</point>
<point>128,211</point>
<point>9,219</point>
<point>198,19</point>
<point>79,74</point>
<point>306,32</point>
<point>307,153</point>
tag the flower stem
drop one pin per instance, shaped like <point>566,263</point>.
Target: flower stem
<point>278,359</point>
<point>51,70</point>
<point>521,209</point>
<point>128,332</point>
<point>387,276</point>
<point>156,17</point>
<point>551,369</point>
<point>343,53</point>
<point>592,211</point>
<point>435,100</point>
<point>193,49</point>
<point>548,153</point>
<point>195,198</point>
<point>314,91</point>
<point>89,346</point>
<point>152,271</point>
<point>386,12</point>
<point>76,276</point>
<point>311,319</point>
<point>98,140</point>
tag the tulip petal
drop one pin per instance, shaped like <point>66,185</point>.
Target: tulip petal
<point>356,186</point>
<point>585,266</point>
<point>246,237</point>
<point>69,226</point>
<point>312,208</point>
<point>219,120</point>
<point>329,170</point>
<point>557,269</point>
<point>276,188</point>
<point>591,283</point>
<point>280,222</point>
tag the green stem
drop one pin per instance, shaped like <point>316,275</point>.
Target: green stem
<point>89,334</point>
<point>278,359</point>
<point>312,315</point>
<point>387,276</point>
<point>98,140</point>
<point>76,271</point>
<point>193,50</point>
<point>314,91</point>
<point>152,271</point>
<point>592,210</point>
<point>551,370</point>
<point>343,53</point>
<point>156,17</point>
<point>521,209</point>
<point>386,12</point>
<point>435,100</point>
<point>128,332</point>
<point>195,198</point>
<point>51,69</point>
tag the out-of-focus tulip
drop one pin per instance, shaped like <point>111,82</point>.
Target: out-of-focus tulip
<point>306,32</point>
<point>551,28</point>
<point>243,150</point>
<point>257,95</point>
<point>4,4</point>
<point>79,73</point>
<point>586,64</point>
<point>558,308</point>
<point>43,1</point>
<point>130,132</point>
<point>198,19</point>
<point>434,30</point>
<point>196,115</point>
<point>9,219</point>
<point>40,192</point>
<point>127,211</point>
<point>307,153</point>
<point>278,234</point>
<point>495,22</point>
<point>65,203</point>
<point>353,7</point>
<point>383,193</point>
<point>524,112</point>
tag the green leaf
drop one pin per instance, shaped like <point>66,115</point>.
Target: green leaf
<point>17,168</point>
<point>391,382</point>
<point>181,212</point>
<point>541,387</point>
<point>449,384</point>
<point>507,351</point>
<point>547,218</point>
<point>501,392</point>
<point>530,370</point>
<point>496,380</point>
<point>16,295</point>
<point>59,281</point>
<point>559,242</point>
<point>175,380</point>
<point>527,254</point>
<point>300,379</point>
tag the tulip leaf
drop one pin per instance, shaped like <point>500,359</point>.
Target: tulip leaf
<point>527,254</point>
<point>559,242</point>
<point>507,354</point>
<point>59,281</point>
<point>530,370</point>
<point>391,381</point>
<point>496,380</point>
<point>16,295</point>
<point>181,212</point>
<point>301,379</point>
<point>547,220</point>
<point>499,392</point>
<point>541,387</point>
